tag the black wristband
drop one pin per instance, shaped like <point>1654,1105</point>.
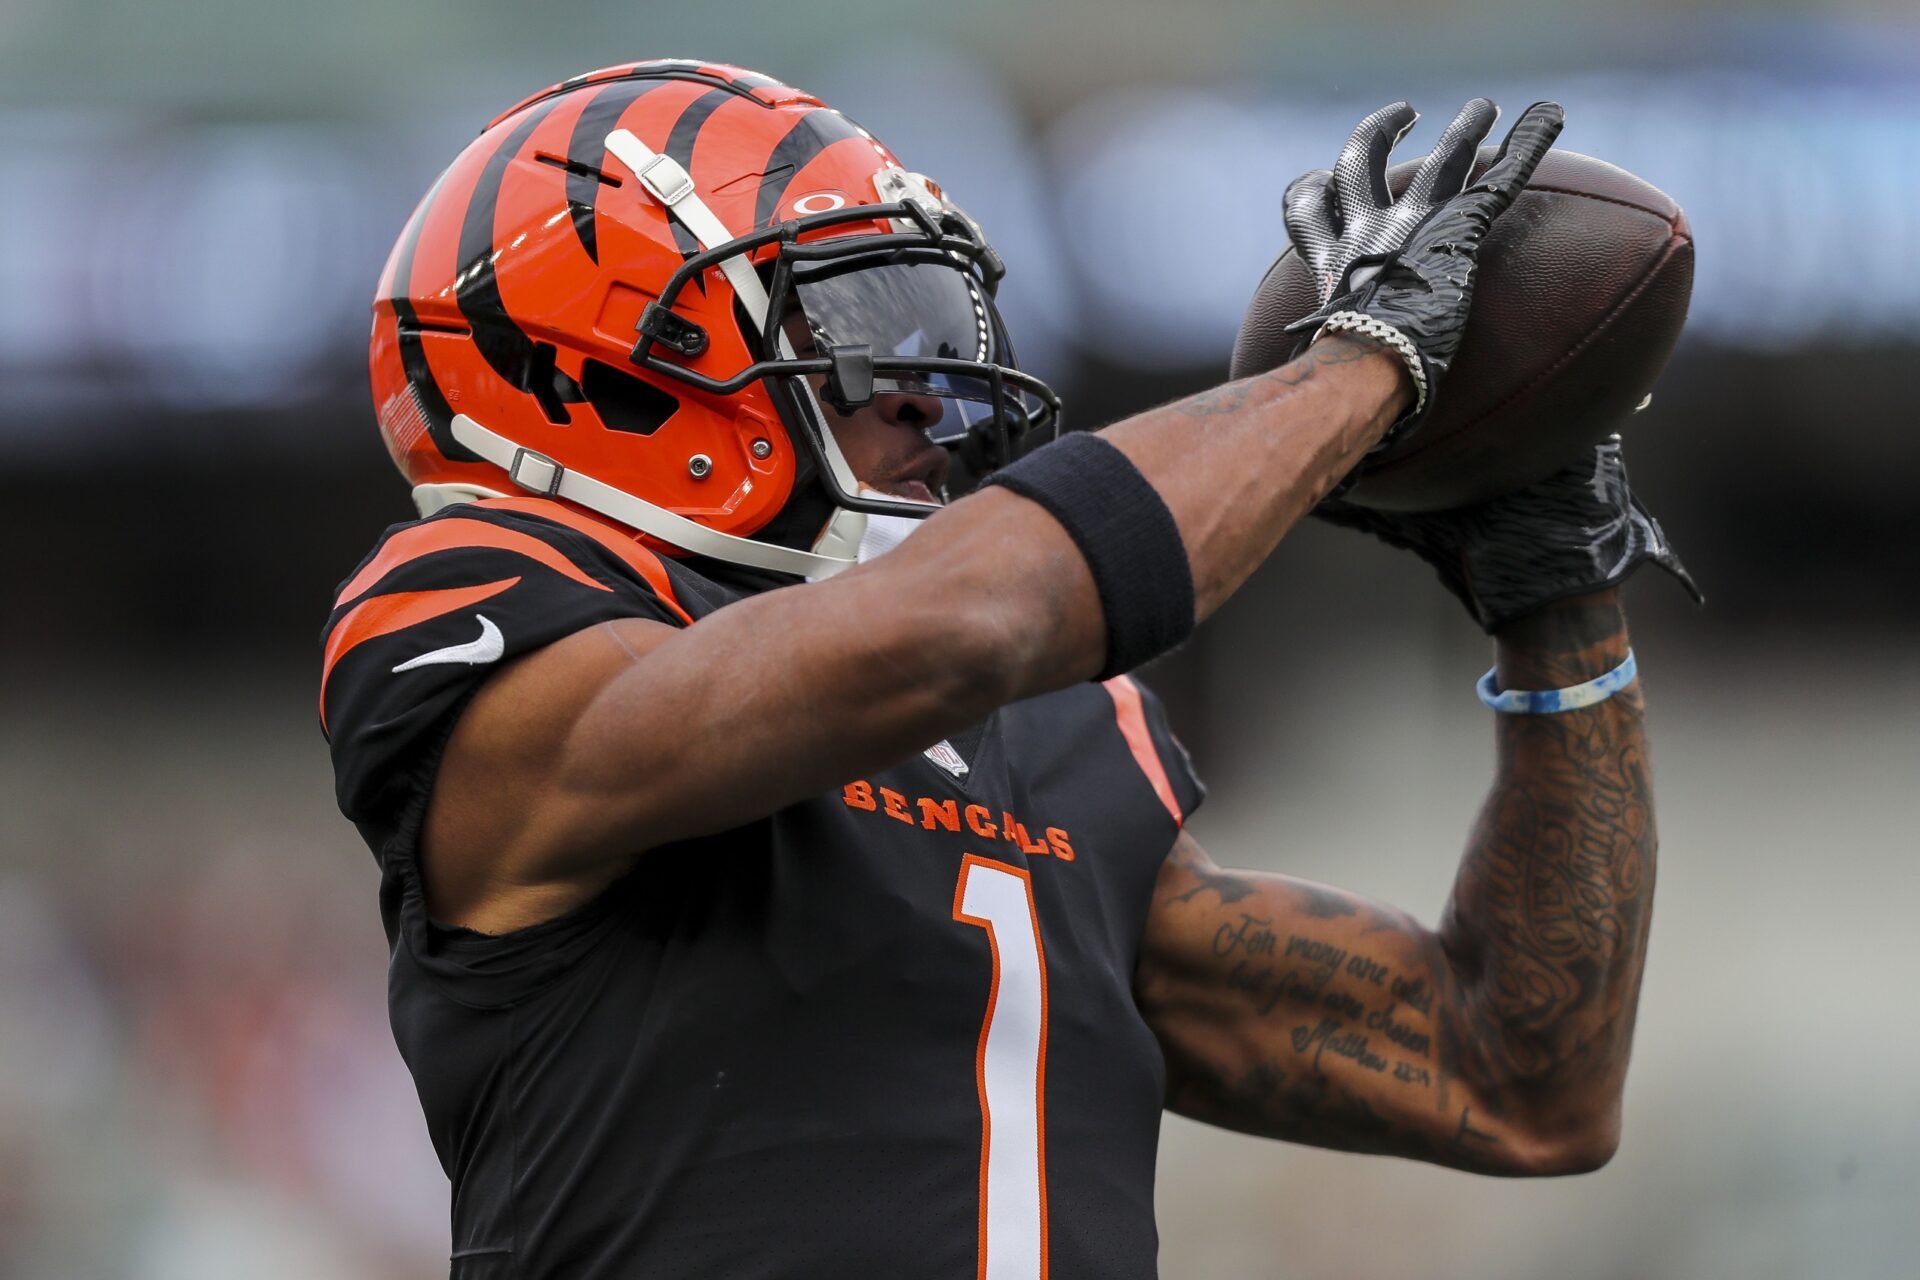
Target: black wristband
<point>1127,536</point>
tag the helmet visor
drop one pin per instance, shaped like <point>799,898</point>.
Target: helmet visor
<point>900,308</point>
<point>933,333</point>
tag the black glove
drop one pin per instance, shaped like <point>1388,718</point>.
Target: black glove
<point>1579,530</point>
<point>1410,263</point>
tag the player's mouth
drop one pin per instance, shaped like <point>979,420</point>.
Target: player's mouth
<point>921,479</point>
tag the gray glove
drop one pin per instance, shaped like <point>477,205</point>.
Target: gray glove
<point>1345,222</point>
<point>1411,268</point>
<point>1579,530</point>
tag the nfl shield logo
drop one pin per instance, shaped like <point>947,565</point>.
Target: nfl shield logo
<point>943,754</point>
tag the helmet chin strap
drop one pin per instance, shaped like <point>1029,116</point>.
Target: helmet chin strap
<point>537,473</point>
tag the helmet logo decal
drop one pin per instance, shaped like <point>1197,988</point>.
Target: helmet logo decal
<point>811,134</point>
<point>819,202</point>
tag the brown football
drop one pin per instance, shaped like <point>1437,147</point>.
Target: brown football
<point>1581,294</point>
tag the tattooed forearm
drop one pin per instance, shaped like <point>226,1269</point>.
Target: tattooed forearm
<point>1497,1043</point>
<point>1227,886</point>
<point>1318,972</point>
<point>1551,907</point>
<point>1231,397</point>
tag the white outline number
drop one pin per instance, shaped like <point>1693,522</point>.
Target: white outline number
<point>1010,1070</point>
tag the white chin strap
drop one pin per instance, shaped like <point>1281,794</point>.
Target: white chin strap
<point>836,549</point>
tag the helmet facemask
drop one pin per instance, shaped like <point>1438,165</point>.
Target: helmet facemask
<point>854,317</point>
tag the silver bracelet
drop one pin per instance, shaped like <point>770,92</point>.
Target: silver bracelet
<point>1379,330</point>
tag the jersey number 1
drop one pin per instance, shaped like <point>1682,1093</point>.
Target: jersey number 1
<point>1010,1070</point>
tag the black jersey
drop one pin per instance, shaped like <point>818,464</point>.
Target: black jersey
<point>888,1031</point>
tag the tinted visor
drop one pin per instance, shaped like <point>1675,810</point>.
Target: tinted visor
<point>914,315</point>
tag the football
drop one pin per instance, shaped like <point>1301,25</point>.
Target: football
<point>1581,294</point>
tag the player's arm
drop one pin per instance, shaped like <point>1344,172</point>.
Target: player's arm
<point>1497,1042</point>
<point>572,761</point>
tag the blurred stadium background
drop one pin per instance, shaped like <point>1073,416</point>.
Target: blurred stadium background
<point>196,1079</point>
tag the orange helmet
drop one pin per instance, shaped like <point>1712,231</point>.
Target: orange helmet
<point>599,301</point>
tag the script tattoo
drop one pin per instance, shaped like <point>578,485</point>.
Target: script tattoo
<point>1231,397</point>
<point>1552,903</point>
<point>1352,1026</point>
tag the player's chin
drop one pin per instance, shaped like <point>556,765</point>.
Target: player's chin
<point>915,491</point>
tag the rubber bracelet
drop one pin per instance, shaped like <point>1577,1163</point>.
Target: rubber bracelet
<point>1548,701</point>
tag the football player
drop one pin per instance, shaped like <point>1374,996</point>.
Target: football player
<point>773,893</point>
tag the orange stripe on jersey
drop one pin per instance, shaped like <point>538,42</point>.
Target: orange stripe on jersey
<point>454,533</point>
<point>612,537</point>
<point>1133,727</point>
<point>383,615</point>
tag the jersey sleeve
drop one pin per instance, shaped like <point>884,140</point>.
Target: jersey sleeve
<point>1162,757</point>
<point>438,606</point>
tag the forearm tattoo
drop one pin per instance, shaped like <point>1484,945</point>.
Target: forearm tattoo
<point>1336,1021</point>
<point>1232,397</point>
<point>1551,907</point>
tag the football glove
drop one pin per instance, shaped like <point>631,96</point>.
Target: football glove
<point>1579,530</point>
<point>1409,263</point>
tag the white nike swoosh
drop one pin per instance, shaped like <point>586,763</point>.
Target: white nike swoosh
<point>487,648</point>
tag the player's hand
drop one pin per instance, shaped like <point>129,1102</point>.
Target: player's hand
<point>1345,222</point>
<point>1579,530</point>
<point>1410,263</point>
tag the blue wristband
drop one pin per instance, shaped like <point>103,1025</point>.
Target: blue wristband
<point>1546,702</point>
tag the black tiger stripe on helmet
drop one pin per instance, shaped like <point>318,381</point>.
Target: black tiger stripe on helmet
<point>517,358</point>
<point>587,152</point>
<point>427,397</point>
<point>744,84</point>
<point>686,131</point>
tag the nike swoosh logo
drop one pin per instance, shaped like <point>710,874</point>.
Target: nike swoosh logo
<point>487,648</point>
